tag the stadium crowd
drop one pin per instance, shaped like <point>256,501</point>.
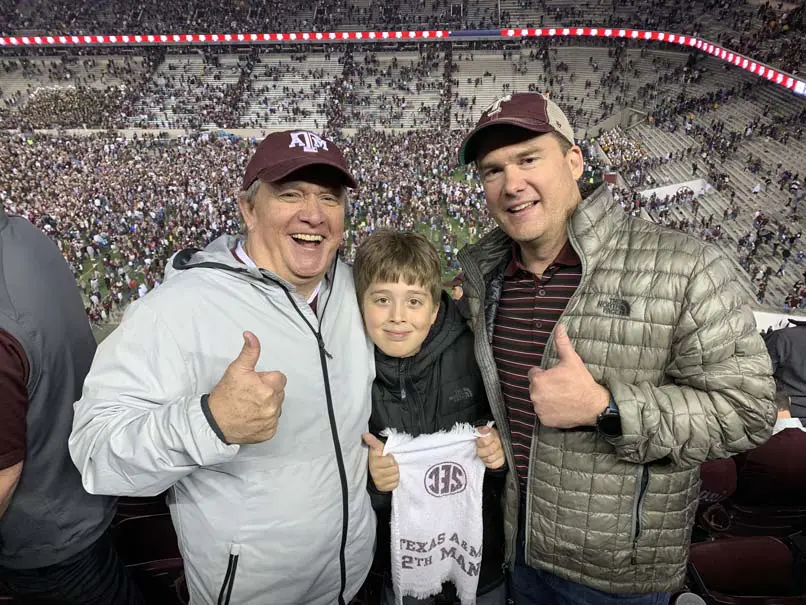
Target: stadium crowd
<point>118,238</point>
<point>202,89</point>
<point>71,92</point>
<point>119,207</point>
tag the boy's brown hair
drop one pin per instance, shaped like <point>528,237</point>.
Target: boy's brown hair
<point>389,256</point>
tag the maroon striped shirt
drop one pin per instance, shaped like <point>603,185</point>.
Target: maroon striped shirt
<point>528,310</point>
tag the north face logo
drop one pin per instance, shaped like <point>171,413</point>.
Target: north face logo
<point>615,306</point>
<point>445,479</point>
<point>309,142</point>
<point>460,395</point>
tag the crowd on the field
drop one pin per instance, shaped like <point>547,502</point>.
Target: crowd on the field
<point>184,191</point>
<point>119,207</point>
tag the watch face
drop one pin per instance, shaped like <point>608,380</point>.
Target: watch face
<point>610,424</point>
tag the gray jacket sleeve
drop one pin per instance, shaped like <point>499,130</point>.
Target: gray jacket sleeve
<point>720,400</point>
<point>139,426</point>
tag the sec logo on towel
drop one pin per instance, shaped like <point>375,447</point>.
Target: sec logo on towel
<point>445,479</point>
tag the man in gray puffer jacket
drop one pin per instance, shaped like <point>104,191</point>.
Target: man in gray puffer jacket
<point>617,355</point>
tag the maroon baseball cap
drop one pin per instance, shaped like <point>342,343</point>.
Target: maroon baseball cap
<point>282,153</point>
<point>529,110</point>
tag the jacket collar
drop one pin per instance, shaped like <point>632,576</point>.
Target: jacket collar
<point>593,222</point>
<point>567,257</point>
<point>219,255</point>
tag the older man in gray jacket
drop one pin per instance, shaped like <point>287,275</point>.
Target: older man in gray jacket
<point>242,385</point>
<point>617,355</point>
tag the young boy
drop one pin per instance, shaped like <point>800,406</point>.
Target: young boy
<point>426,380</point>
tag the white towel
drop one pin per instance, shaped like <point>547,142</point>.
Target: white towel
<point>437,526</point>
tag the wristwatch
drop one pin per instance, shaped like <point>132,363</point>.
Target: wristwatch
<point>609,420</point>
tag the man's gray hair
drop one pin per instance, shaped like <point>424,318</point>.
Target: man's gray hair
<point>248,196</point>
<point>251,193</point>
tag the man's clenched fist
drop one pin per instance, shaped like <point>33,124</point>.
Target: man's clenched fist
<point>246,403</point>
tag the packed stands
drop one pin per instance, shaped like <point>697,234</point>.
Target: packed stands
<point>674,124</point>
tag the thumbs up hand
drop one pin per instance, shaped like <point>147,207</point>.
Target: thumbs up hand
<point>566,396</point>
<point>383,469</point>
<point>247,404</point>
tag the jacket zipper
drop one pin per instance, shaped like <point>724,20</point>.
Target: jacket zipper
<point>323,357</point>
<point>543,360</point>
<point>410,395</point>
<point>549,344</point>
<point>637,509</point>
<point>532,449</point>
<point>225,594</point>
<point>402,375</point>
<point>474,278</point>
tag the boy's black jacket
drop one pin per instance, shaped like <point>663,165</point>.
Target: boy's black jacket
<point>433,390</point>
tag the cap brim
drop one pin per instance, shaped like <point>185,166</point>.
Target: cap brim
<point>283,169</point>
<point>468,149</point>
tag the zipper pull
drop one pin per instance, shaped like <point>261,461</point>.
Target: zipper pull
<point>634,556</point>
<point>321,342</point>
<point>402,383</point>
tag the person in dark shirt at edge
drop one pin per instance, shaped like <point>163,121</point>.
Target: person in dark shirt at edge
<point>774,474</point>
<point>787,349</point>
<point>426,380</point>
<point>55,547</point>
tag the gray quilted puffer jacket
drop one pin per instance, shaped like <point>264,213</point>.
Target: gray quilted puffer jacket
<point>659,318</point>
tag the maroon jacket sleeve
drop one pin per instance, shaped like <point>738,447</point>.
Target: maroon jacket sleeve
<point>14,370</point>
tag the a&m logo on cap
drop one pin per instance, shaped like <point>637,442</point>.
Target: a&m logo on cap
<point>309,142</point>
<point>495,107</point>
<point>445,479</point>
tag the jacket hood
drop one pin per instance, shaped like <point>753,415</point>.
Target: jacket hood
<point>447,328</point>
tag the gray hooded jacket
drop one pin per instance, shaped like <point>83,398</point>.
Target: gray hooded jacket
<point>281,522</point>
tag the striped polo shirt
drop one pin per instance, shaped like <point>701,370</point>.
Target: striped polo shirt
<point>528,310</point>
